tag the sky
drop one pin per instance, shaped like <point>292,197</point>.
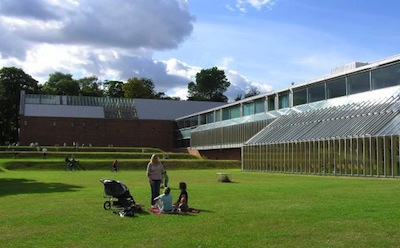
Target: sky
<point>263,44</point>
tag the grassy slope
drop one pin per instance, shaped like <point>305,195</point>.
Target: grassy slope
<point>64,209</point>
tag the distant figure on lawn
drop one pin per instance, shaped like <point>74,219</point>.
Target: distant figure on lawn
<point>115,166</point>
<point>44,152</point>
<point>67,162</point>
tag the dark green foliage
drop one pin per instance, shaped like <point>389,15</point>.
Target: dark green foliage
<point>61,84</point>
<point>12,81</point>
<point>114,88</point>
<point>90,86</point>
<point>210,85</point>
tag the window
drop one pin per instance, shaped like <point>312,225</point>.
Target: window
<point>299,96</point>
<point>231,112</point>
<point>225,114</point>
<point>54,124</point>
<point>283,100</point>
<point>336,88</point>
<point>218,115</point>
<point>202,119</point>
<point>316,93</point>
<point>271,103</point>
<point>235,111</point>
<point>358,83</point>
<point>259,105</point>
<point>248,108</point>
<point>210,117</point>
<point>386,76</point>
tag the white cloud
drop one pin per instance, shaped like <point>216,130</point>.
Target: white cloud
<point>126,24</point>
<point>86,38</point>
<point>242,5</point>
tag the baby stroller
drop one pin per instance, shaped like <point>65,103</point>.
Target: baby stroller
<point>119,196</point>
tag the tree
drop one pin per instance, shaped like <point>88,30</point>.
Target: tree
<point>114,88</point>
<point>252,92</point>
<point>210,85</point>
<point>61,84</point>
<point>90,86</point>
<point>238,97</point>
<point>139,88</point>
<point>12,81</point>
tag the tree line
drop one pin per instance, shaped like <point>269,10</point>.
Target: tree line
<point>210,85</point>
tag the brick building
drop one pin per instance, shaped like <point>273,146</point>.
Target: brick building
<point>100,121</point>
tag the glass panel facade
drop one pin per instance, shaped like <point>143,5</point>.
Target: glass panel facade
<point>386,77</point>
<point>336,88</point>
<point>202,119</point>
<point>248,108</point>
<point>235,111</point>
<point>271,103</point>
<point>259,105</point>
<point>284,100</point>
<point>210,117</point>
<point>218,115</point>
<point>225,114</point>
<point>299,96</point>
<point>316,93</point>
<point>358,83</point>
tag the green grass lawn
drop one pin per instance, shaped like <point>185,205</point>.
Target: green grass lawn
<point>65,209</point>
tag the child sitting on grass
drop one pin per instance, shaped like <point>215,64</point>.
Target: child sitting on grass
<point>164,201</point>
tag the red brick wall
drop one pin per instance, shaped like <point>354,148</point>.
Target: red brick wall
<point>98,132</point>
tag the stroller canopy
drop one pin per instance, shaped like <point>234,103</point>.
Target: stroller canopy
<point>114,188</point>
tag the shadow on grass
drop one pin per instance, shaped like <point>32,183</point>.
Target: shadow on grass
<point>15,186</point>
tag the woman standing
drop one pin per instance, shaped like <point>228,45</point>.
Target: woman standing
<point>154,172</point>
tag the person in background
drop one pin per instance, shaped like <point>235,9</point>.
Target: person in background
<point>154,173</point>
<point>67,162</point>
<point>44,152</point>
<point>115,166</point>
<point>165,179</point>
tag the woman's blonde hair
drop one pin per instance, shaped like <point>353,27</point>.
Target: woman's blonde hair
<point>154,157</point>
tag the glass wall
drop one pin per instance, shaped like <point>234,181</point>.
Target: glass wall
<point>283,100</point>
<point>316,93</point>
<point>218,115</point>
<point>299,96</point>
<point>271,103</point>
<point>248,108</point>
<point>210,117</point>
<point>373,156</point>
<point>358,83</point>
<point>259,105</point>
<point>386,76</point>
<point>336,88</point>
<point>231,112</point>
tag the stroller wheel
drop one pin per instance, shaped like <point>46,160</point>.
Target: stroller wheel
<point>107,205</point>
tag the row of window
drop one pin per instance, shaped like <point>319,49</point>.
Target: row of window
<point>371,79</point>
<point>72,124</point>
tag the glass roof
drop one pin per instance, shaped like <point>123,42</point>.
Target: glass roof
<point>373,113</point>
